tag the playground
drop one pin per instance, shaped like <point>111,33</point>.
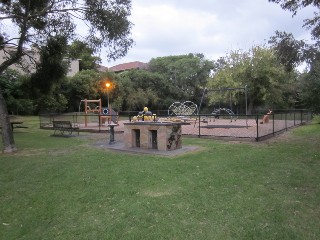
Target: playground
<point>220,123</point>
<point>71,188</point>
<point>223,126</point>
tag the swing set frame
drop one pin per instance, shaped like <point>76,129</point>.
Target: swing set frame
<point>206,90</point>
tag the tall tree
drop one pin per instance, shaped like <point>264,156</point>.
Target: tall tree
<point>81,50</point>
<point>310,86</point>
<point>185,74</point>
<point>289,51</point>
<point>136,89</point>
<point>38,20</point>
<point>260,71</point>
<point>87,84</point>
<point>12,83</point>
<point>51,68</point>
<point>295,5</point>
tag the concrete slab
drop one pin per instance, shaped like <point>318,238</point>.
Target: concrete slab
<point>120,146</point>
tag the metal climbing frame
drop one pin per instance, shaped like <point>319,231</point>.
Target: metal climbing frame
<point>219,111</point>
<point>182,109</point>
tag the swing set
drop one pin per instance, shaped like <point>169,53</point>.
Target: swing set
<point>220,110</point>
<point>223,111</point>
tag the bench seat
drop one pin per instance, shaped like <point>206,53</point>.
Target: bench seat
<point>64,127</point>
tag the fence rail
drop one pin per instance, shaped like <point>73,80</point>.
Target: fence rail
<point>202,125</point>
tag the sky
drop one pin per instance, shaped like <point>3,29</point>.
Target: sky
<point>211,27</point>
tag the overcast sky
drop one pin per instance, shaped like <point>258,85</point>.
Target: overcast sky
<point>212,27</point>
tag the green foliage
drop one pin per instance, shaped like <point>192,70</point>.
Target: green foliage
<point>266,80</point>
<point>107,23</point>
<point>295,5</point>
<point>86,84</point>
<point>316,118</point>
<point>109,26</point>
<point>53,103</point>
<point>139,88</point>
<point>310,88</point>
<point>167,80</point>
<point>186,75</point>
<point>141,98</point>
<point>12,84</point>
<point>288,50</point>
<point>81,50</point>
<point>52,68</point>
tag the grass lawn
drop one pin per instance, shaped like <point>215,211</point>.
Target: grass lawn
<point>64,188</point>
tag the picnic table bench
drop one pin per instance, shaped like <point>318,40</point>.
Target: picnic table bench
<point>16,124</point>
<point>63,127</point>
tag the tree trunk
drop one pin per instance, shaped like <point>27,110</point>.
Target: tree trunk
<point>7,133</point>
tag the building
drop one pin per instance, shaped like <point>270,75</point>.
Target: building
<point>74,67</point>
<point>101,68</point>
<point>27,64</point>
<point>128,66</point>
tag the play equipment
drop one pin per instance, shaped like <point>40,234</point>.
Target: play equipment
<point>95,106</point>
<point>224,111</point>
<point>206,91</point>
<point>145,115</point>
<point>265,118</point>
<point>89,108</point>
<point>181,109</point>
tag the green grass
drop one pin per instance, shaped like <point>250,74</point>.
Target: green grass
<point>63,188</point>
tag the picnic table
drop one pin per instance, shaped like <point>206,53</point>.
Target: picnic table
<point>16,124</point>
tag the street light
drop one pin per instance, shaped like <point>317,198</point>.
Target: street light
<point>108,86</point>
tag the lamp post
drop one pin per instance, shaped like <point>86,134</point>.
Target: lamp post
<point>111,125</point>
<point>108,86</point>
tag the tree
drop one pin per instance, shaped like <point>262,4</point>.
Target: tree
<point>12,83</point>
<point>51,68</point>
<point>136,89</point>
<point>295,5</point>
<point>81,50</point>
<point>37,21</point>
<point>84,84</point>
<point>309,87</point>
<point>289,51</point>
<point>186,75</point>
<point>260,71</point>
<point>309,84</point>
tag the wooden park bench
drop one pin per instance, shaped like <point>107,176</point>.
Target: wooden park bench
<point>63,127</point>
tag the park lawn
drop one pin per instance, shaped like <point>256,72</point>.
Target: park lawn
<point>64,188</point>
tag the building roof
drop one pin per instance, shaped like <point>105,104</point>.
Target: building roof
<point>128,66</point>
<point>101,68</point>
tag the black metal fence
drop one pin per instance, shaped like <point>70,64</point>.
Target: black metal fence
<point>203,125</point>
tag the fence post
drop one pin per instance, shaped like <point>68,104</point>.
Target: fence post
<point>99,123</point>
<point>272,123</point>
<point>285,121</point>
<point>257,122</point>
<point>199,119</point>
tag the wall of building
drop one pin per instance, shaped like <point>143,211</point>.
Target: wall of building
<point>27,65</point>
